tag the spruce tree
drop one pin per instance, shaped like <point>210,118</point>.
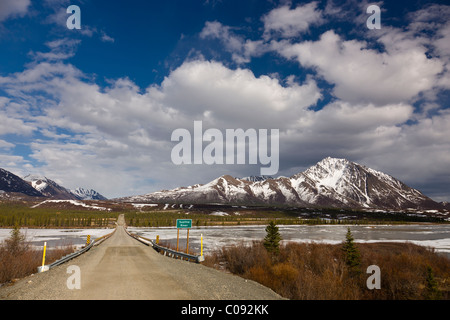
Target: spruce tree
<point>351,254</point>
<point>16,242</point>
<point>272,238</point>
<point>432,290</point>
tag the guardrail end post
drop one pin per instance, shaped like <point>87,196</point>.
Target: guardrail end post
<point>43,268</point>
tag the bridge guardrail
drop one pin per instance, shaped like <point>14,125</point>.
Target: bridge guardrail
<point>71,255</point>
<point>166,251</point>
<point>177,254</point>
<point>77,253</point>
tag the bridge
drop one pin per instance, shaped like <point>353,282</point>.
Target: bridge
<point>123,268</point>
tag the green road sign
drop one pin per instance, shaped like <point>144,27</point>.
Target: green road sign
<point>184,223</point>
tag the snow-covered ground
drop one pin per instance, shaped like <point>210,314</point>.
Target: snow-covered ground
<point>73,202</point>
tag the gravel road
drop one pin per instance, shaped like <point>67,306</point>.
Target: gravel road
<point>122,268</point>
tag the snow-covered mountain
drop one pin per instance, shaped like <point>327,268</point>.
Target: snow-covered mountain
<point>9,182</point>
<point>352,184</point>
<point>331,183</point>
<point>87,194</point>
<point>49,188</point>
<point>39,186</point>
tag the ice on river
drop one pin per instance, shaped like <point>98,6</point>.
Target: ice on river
<point>435,236</point>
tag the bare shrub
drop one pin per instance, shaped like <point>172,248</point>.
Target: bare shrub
<point>19,259</point>
<point>319,271</point>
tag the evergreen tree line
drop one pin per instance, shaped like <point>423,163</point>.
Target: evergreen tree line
<point>51,218</point>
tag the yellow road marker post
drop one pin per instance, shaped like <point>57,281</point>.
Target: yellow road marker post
<point>201,244</point>
<point>201,258</point>
<point>43,267</point>
<point>187,243</point>
<point>43,256</point>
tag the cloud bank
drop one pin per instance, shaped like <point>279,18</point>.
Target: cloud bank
<point>385,109</point>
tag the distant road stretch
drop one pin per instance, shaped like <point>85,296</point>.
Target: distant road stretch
<point>122,268</point>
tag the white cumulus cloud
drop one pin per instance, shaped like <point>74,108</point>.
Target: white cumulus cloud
<point>13,8</point>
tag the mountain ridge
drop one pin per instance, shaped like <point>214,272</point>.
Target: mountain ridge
<point>9,182</point>
<point>332,182</point>
<point>87,194</point>
<point>49,188</point>
<point>41,186</point>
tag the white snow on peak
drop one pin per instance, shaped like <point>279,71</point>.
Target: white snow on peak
<point>39,185</point>
<point>87,194</point>
<point>37,182</point>
<point>328,172</point>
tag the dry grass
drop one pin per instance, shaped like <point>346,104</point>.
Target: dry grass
<point>318,271</point>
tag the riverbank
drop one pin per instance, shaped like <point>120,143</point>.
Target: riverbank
<point>313,271</point>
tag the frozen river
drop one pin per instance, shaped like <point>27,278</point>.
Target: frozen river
<point>57,237</point>
<point>436,236</point>
<point>430,235</point>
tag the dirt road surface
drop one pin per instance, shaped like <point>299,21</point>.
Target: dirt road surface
<point>122,268</point>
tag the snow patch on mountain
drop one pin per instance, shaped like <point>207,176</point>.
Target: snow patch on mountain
<point>87,194</point>
<point>49,188</point>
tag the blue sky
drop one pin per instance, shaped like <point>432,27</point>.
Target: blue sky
<point>96,107</point>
